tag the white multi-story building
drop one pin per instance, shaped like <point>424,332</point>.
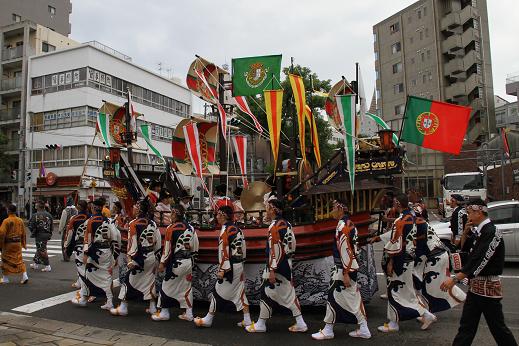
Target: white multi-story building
<point>66,89</point>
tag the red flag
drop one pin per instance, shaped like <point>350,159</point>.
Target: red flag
<point>221,110</point>
<point>240,146</point>
<point>193,148</point>
<point>241,102</point>
<point>506,145</point>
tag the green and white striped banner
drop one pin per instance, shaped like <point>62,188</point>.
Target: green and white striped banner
<point>380,122</point>
<point>103,127</point>
<point>346,107</point>
<point>145,130</point>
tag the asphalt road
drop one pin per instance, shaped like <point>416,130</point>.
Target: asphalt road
<point>224,331</point>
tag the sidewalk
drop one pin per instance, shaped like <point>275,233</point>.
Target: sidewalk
<point>18,329</point>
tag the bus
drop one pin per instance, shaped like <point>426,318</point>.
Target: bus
<point>471,185</point>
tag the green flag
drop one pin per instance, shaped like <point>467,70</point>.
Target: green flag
<point>380,122</point>
<point>103,127</point>
<point>250,76</point>
<point>145,130</point>
<point>346,108</point>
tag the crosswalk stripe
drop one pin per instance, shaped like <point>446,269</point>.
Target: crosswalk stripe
<point>29,246</point>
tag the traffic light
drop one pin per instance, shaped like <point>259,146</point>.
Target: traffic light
<point>54,146</point>
<point>28,176</point>
<point>14,174</point>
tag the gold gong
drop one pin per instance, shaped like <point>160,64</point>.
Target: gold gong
<point>252,198</point>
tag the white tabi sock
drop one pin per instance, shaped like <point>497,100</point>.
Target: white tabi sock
<point>153,307</point>
<point>5,279</point>
<point>208,319</point>
<point>260,324</point>
<point>164,312</point>
<point>363,326</point>
<point>393,325</point>
<point>428,315</point>
<point>24,276</point>
<point>246,318</point>
<point>300,321</point>
<point>189,312</point>
<point>328,329</point>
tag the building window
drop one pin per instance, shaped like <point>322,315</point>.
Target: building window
<point>475,24</point>
<point>52,10</point>
<point>377,74</point>
<point>424,11</point>
<point>396,47</point>
<point>374,37</point>
<point>46,47</point>
<point>413,82</point>
<point>430,75</point>
<point>423,56</point>
<point>378,94</point>
<point>424,78</point>
<point>426,32</point>
<point>478,69</point>
<point>394,28</point>
<point>397,68</point>
<point>421,35</point>
<point>399,109</point>
<point>428,53</point>
<point>412,60</point>
<point>398,88</point>
<point>409,19</point>
<point>411,39</point>
<point>376,55</point>
<point>419,13</point>
<point>477,47</point>
<point>474,3</point>
<point>16,18</point>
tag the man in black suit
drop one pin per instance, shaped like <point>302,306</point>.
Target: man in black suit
<point>483,266</point>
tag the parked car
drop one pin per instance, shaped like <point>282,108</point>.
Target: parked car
<point>505,215</point>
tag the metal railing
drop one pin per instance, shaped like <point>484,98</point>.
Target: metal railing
<point>10,83</point>
<point>12,53</point>
<point>10,114</point>
<point>109,50</point>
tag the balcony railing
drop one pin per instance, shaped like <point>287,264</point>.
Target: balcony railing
<point>109,50</point>
<point>10,114</point>
<point>12,53</point>
<point>10,83</point>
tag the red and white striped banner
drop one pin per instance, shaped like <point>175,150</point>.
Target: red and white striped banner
<point>193,148</point>
<point>241,102</point>
<point>240,146</point>
<point>221,110</point>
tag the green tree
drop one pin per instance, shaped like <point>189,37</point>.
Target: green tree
<point>257,106</point>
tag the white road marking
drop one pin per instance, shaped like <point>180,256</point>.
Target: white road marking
<point>52,301</point>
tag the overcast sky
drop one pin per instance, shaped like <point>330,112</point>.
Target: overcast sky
<point>327,36</point>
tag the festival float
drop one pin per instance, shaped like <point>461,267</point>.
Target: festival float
<point>360,172</point>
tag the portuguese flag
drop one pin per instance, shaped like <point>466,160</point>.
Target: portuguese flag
<point>435,125</point>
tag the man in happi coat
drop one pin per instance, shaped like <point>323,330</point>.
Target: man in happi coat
<point>144,249</point>
<point>344,303</point>
<point>12,240</point>
<point>398,264</point>
<point>432,268</point>
<point>180,248</point>
<point>483,268</point>
<point>74,242</point>
<point>100,251</point>
<point>229,290</point>
<point>458,218</point>
<point>121,221</point>
<point>277,288</point>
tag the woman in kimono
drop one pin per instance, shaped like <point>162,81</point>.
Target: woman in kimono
<point>12,240</point>
<point>398,264</point>
<point>229,290</point>
<point>344,298</point>
<point>432,268</point>
<point>100,251</point>
<point>277,288</point>
<point>74,242</point>
<point>180,248</point>
<point>144,245</point>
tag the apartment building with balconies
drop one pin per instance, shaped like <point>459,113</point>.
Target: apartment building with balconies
<point>19,41</point>
<point>440,50</point>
